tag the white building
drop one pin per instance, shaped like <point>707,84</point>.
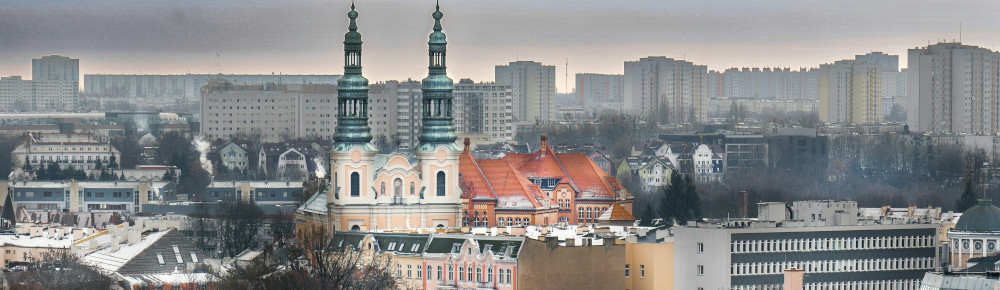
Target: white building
<point>21,95</point>
<point>186,86</point>
<point>770,83</point>
<point>55,68</point>
<point>708,164</point>
<point>601,91</point>
<point>79,151</point>
<point>484,111</point>
<point>533,88</point>
<point>953,87</point>
<point>660,86</point>
<point>274,112</point>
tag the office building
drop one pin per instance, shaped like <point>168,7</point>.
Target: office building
<point>675,91</point>
<point>533,88</point>
<point>825,239</point>
<point>953,88</point>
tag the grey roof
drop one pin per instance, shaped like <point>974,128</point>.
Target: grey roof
<point>399,243</point>
<point>443,244</point>
<point>983,217</point>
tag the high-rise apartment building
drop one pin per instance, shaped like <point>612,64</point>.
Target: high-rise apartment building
<point>673,90</point>
<point>601,91</point>
<point>953,87</point>
<point>274,112</point>
<point>770,84</point>
<point>55,68</point>
<point>484,111</point>
<point>533,87</point>
<point>850,92</point>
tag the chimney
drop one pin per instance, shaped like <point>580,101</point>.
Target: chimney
<point>793,279</point>
<point>77,234</point>
<point>545,142</point>
<point>133,237</point>
<point>743,198</point>
<point>115,243</point>
<point>467,142</point>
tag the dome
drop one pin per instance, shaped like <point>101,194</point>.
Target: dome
<point>984,217</point>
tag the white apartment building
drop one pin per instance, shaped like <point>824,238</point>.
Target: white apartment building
<point>484,111</point>
<point>185,86</point>
<point>55,68</point>
<point>275,112</point>
<point>601,91</point>
<point>660,85</point>
<point>79,151</point>
<point>19,95</point>
<point>533,88</point>
<point>953,88</point>
<point>770,83</point>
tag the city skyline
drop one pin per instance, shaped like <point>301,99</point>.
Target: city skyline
<point>302,37</point>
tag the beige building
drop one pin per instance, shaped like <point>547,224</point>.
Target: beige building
<point>649,260</point>
<point>275,112</point>
<point>850,92</point>
<point>953,88</point>
<point>79,151</point>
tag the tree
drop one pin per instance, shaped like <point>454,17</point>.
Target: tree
<point>968,199</point>
<point>349,268</point>
<point>58,269</point>
<point>239,222</point>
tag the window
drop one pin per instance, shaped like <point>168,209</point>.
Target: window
<point>479,274</point>
<point>461,273</point>
<point>489,274</point>
<point>439,273</point>
<point>701,248</point>
<point>470,274</point>
<point>355,184</point>
<point>440,183</point>
<point>451,273</point>
<point>642,271</point>
<point>409,271</point>
<point>508,277</point>
<point>627,270</point>
<point>420,271</point>
<point>701,270</point>
<point>159,258</point>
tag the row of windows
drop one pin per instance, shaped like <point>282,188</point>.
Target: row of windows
<point>590,214</point>
<point>642,271</point>
<point>844,285</point>
<point>829,266</point>
<point>831,244</point>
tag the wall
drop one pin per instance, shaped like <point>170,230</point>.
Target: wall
<point>658,259</point>
<point>578,267</point>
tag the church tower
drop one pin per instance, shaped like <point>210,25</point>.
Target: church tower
<point>438,152</point>
<point>352,156</point>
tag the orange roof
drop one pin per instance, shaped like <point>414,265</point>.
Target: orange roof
<point>541,164</point>
<point>512,189</point>
<point>589,179</point>
<point>473,182</point>
<point>617,213</point>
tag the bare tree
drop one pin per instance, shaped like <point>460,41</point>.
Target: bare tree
<point>350,268</point>
<point>58,269</point>
<point>238,225</point>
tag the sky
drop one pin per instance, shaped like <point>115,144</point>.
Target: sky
<point>593,36</point>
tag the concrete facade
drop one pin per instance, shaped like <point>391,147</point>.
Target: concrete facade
<point>533,88</point>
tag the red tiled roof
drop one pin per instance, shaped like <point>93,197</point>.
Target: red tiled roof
<point>617,213</point>
<point>511,188</point>
<point>473,183</point>
<point>590,180</point>
<point>541,164</point>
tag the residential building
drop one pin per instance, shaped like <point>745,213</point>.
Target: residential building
<point>753,254</point>
<point>676,90</point>
<point>653,171</point>
<point>233,154</point>
<point>533,90</point>
<point>154,260</point>
<point>19,95</point>
<point>850,91</point>
<point>264,193</point>
<point>77,151</point>
<point>780,84</point>
<point>953,88</point>
<point>268,111</point>
<point>185,86</point>
<point>484,111</point>
<point>292,160</point>
<point>708,164</point>
<point>601,91</point>
<point>55,68</point>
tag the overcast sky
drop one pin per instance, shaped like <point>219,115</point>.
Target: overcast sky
<point>596,36</point>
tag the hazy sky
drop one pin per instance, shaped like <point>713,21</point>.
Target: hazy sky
<point>304,36</point>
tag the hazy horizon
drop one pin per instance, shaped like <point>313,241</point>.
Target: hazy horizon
<point>304,36</point>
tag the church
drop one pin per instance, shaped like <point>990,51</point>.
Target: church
<point>371,191</point>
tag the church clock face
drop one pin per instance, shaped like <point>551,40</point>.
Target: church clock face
<point>965,245</point>
<point>992,246</point>
<point>979,245</point>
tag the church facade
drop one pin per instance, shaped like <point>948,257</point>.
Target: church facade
<point>369,190</point>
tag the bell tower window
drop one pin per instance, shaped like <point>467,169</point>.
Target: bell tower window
<point>440,183</point>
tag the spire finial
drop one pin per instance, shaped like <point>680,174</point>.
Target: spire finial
<point>352,15</point>
<point>437,16</point>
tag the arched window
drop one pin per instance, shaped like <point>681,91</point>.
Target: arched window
<point>470,274</point>
<point>397,187</point>
<point>461,273</point>
<point>382,189</point>
<point>451,273</point>
<point>439,273</point>
<point>355,184</point>
<point>413,189</point>
<point>440,183</point>
<point>489,274</point>
<point>479,274</point>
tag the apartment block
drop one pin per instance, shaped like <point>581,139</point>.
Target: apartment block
<point>675,90</point>
<point>953,88</point>
<point>533,88</point>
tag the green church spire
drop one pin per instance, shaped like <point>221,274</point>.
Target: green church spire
<point>438,128</point>
<point>352,94</point>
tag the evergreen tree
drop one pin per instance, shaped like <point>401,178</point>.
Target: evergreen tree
<point>669,201</point>
<point>692,202</point>
<point>968,198</point>
<point>647,216</point>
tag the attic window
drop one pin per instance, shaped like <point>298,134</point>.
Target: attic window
<point>401,246</point>
<point>177,254</point>
<point>415,247</point>
<point>392,246</point>
<point>159,258</point>
<point>194,257</point>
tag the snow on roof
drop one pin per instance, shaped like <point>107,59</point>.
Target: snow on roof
<point>111,260</point>
<point>171,279</point>
<point>316,204</point>
<point>38,242</point>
